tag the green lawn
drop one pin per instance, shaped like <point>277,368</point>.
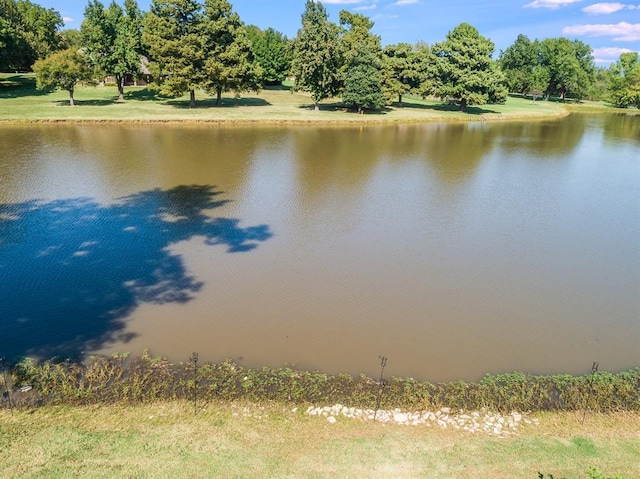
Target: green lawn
<point>236,440</point>
<point>20,101</point>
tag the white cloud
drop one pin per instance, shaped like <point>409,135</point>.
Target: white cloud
<point>373,6</point>
<point>67,20</point>
<point>603,8</point>
<point>608,55</point>
<point>553,4</point>
<point>399,3</point>
<point>342,2</point>
<point>622,32</point>
<point>607,8</point>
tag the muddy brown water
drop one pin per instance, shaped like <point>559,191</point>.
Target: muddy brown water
<point>454,250</point>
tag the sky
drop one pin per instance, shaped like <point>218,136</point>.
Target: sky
<point>610,28</point>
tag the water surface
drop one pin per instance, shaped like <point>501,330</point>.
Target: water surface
<point>452,249</point>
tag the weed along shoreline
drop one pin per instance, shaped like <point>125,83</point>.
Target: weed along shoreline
<point>142,416</point>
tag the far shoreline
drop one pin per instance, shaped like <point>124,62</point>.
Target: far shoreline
<point>22,104</point>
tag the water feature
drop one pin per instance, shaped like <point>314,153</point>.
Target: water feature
<point>452,249</point>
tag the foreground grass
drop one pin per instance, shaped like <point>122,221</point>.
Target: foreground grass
<point>20,101</point>
<point>233,440</point>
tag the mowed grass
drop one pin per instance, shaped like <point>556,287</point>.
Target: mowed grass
<point>235,440</point>
<point>20,101</point>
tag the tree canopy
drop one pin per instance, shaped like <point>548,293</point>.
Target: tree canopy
<point>229,63</point>
<point>464,67</point>
<point>317,58</point>
<point>63,70</point>
<point>624,81</point>
<point>272,51</point>
<point>28,32</point>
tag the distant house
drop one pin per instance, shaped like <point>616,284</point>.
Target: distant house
<point>141,79</point>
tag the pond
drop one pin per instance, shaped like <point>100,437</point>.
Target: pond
<point>454,250</point>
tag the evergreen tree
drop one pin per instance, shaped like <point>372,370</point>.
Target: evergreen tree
<point>363,82</point>
<point>229,63</point>
<point>316,59</point>
<point>63,70</point>
<point>464,67</point>
<point>172,37</point>
<point>406,70</point>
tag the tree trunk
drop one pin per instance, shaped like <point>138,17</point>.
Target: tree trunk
<point>316,107</point>
<point>120,83</point>
<point>71,96</point>
<point>218,96</point>
<point>463,104</point>
<point>192,98</point>
<point>400,100</point>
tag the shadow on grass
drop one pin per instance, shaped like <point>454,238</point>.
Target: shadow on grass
<point>103,102</point>
<point>73,269</point>
<point>17,86</point>
<point>279,87</point>
<point>224,103</point>
<point>144,94</point>
<point>471,110</point>
<point>341,107</point>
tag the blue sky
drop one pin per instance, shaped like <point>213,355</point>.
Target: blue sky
<point>609,27</point>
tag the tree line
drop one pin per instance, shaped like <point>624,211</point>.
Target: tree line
<point>191,45</point>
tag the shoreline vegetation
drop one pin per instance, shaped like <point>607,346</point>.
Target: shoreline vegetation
<point>133,379</point>
<point>20,102</point>
<point>125,416</point>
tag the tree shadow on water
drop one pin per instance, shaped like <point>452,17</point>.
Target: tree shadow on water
<point>72,270</point>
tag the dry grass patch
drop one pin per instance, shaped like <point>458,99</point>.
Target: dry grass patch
<point>233,440</point>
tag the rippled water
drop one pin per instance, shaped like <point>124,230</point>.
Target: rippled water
<point>452,249</point>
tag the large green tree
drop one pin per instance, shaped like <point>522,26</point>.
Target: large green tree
<point>363,82</point>
<point>62,70</point>
<point>624,81</point>
<point>517,63</point>
<point>464,67</point>
<point>229,64</point>
<point>112,38</point>
<point>176,49</point>
<point>27,32</point>
<point>406,69</point>
<point>272,51</point>
<point>570,66</point>
<point>316,56</point>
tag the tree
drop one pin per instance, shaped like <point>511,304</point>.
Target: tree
<point>27,32</point>
<point>517,63</point>
<point>70,38</point>
<point>406,70</point>
<point>363,82</point>
<point>570,66</point>
<point>63,70</point>
<point>624,81</point>
<point>272,51</point>
<point>112,38</point>
<point>229,64</point>
<point>171,35</point>
<point>316,59</point>
<point>464,67</point>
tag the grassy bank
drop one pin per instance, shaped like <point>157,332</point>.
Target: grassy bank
<point>20,101</point>
<point>141,379</point>
<point>270,440</point>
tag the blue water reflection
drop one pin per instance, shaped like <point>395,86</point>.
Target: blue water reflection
<point>72,270</point>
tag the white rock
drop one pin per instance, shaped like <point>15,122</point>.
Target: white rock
<point>331,419</point>
<point>400,417</point>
